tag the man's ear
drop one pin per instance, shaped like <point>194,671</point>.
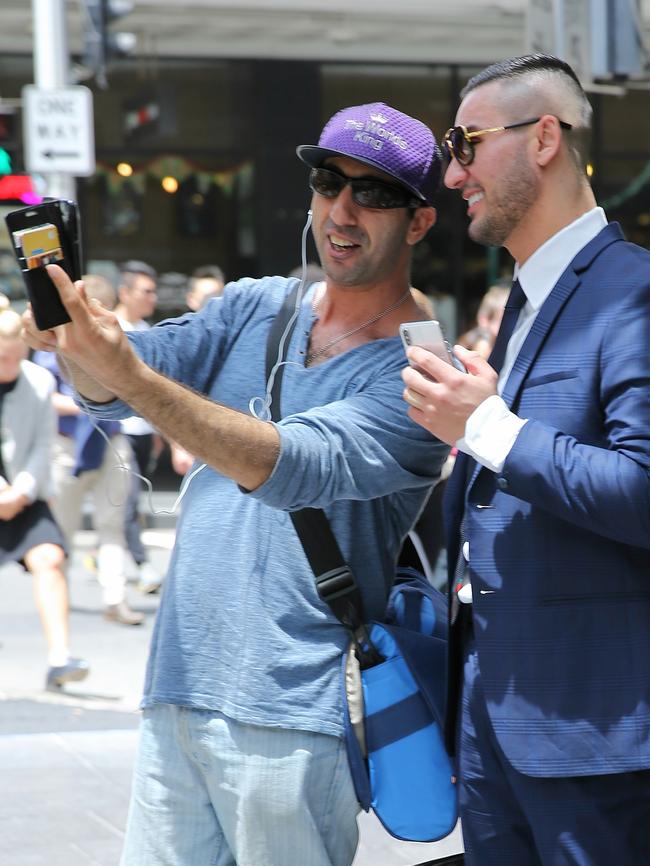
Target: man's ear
<point>422,220</point>
<point>548,139</point>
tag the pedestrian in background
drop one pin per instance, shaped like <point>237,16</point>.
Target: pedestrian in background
<point>29,534</point>
<point>137,297</point>
<point>206,282</point>
<point>548,507</point>
<point>481,336</point>
<point>88,461</point>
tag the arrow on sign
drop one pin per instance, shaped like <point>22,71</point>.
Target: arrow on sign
<point>51,154</point>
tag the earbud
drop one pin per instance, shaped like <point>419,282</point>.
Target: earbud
<point>310,212</point>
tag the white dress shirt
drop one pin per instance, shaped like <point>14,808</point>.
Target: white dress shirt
<point>491,430</point>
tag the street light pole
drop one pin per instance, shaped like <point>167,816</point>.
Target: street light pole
<point>51,71</point>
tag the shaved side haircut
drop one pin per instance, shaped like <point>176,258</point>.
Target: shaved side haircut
<point>542,84</point>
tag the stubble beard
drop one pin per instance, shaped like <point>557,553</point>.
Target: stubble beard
<point>509,204</point>
<point>369,268</point>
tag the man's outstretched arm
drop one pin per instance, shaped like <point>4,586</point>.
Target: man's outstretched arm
<point>103,366</point>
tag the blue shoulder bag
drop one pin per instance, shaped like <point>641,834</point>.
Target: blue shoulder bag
<point>393,674</point>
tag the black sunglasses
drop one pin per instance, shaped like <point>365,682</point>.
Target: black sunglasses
<point>366,192</point>
<point>461,144</point>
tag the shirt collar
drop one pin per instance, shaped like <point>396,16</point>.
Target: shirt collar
<point>543,269</point>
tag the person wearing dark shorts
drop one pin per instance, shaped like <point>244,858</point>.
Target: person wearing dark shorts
<point>29,534</point>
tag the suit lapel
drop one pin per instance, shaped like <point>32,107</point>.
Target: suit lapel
<point>549,311</point>
<point>547,315</point>
<point>459,484</point>
<point>552,306</point>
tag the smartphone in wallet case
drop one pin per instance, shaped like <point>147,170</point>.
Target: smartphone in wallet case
<point>43,234</point>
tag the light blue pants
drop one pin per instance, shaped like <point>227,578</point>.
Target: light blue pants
<point>210,791</point>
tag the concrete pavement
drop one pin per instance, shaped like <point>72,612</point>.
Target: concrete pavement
<point>66,758</point>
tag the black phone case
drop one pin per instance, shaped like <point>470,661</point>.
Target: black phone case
<point>43,295</point>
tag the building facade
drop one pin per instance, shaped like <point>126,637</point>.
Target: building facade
<point>196,149</point>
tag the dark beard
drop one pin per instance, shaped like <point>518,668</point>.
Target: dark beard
<point>509,205</point>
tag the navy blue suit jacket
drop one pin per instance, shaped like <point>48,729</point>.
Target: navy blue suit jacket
<point>560,540</point>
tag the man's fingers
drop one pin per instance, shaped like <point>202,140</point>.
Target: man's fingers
<point>473,361</point>
<point>101,313</point>
<point>69,292</point>
<point>36,339</point>
<point>416,380</point>
<point>413,398</point>
<point>62,281</point>
<point>431,364</point>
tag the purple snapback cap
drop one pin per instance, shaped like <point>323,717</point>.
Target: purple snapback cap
<point>386,139</point>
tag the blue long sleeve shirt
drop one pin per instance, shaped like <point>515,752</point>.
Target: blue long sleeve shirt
<point>240,627</point>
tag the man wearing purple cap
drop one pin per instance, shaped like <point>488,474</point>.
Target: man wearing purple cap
<point>241,757</point>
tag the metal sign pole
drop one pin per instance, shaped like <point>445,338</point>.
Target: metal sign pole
<point>51,65</point>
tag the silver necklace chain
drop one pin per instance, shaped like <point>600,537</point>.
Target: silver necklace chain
<point>311,356</point>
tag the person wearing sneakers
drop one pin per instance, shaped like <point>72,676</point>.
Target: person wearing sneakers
<point>137,297</point>
<point>242,758</point>
<point>85,464</point>
<point>29,534</point>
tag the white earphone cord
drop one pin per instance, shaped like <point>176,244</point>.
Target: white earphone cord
<point>120,467</point>
<point>265,411</point>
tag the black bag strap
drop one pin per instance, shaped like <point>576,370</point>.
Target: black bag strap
<point>273,345</point>
<point>335,581</point>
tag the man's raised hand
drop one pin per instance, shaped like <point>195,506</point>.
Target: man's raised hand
<point>443,403</point>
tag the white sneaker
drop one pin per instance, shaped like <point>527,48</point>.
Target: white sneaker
<point>150,581</point>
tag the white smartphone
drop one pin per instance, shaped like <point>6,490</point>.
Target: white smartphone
<point>428,335</point>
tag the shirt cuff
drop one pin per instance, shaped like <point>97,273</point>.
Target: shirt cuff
<point>490,432</point>
<point>114,410</point>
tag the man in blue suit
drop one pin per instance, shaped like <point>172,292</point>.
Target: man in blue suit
<point>548,508</point>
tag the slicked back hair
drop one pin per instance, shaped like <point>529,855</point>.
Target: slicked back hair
<point>543,70</point>
<point>515,66</point>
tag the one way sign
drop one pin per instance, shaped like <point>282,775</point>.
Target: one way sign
<point>58,130</point>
